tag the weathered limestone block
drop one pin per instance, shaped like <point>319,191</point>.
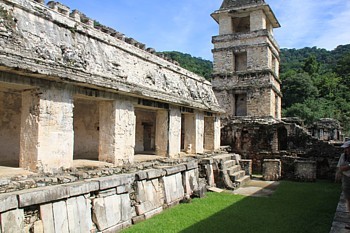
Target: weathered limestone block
<point>175,169</point>
<point>79,215</point>
<point>192,165</point>
<point>155,173</point>
<point>111,211</point>
<point>305,170</point>
<point>162,133</point>
<point>47,217</point>
<point>84,187</point>
<point>115,181</point>
<point>174,190</point>
<point>247,166</point>
<point>272,170</point>
<point>42,195</point>
<point>174,132</point>
<point>12,221</point>
<point>199,133</point>
<point>38,227</point>
<point>117,131</point>
<point>60,216</point>
<point>149,196</point>
<point>8,202</point>
<point>191,182</point>
<point>208,170</point>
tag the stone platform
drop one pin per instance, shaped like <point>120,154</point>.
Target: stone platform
<point>341,218</point>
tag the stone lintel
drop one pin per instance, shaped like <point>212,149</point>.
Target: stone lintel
<point>42,195</point>
<point>115,181</point>
<point>191,165</point>
<point>155,173</point>
<point>84,187</point>
<point>8,202</point>
<point>141,175</point>
<point>175,169</point>
<point>206,161</point>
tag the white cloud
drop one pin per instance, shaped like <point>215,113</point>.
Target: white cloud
<point>307,23</point>
<point>336,29</point>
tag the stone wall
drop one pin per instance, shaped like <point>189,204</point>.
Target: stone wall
<point>71,49</point>
<point>79,85</point>
<point>259,139</point>
<point>106,204</point>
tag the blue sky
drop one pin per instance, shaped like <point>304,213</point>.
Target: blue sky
<point>186,25</point>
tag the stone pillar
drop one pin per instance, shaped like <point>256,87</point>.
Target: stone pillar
<point>174,132</point>
<point>225,25</point>
<point>29,130</point>
<point>47,134</point>
<point>117,131</point>
<point>209,133</point>
<point>257,20</point>
<point>217,133</point>
<point>190,133</point>
<point>162,133</point>
<point>199,133</point>
<point>272,169</point>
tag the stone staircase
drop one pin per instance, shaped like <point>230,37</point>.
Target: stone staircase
<point>228,172</point>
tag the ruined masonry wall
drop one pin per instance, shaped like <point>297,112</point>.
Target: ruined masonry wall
<point>41,40</point>
<point>106,204</point>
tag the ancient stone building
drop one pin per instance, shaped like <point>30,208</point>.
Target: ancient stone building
<point>246,60</point>
<point>73,89</point>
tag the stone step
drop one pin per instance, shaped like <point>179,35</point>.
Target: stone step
<point>242,181</point>
<point>232,170</point>
<point>222,158</point>
<point>229,163</point>
<point>237,175</point>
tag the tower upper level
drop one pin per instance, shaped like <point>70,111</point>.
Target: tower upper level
<point>243,16</point>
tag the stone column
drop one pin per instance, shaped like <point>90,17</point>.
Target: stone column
<point>47,129</point>
<point>174,132</point>
<point>29,130</point>
<point>209,133</point>
<point>199,133</point>
<point>257,20</point>
<point>217,133</point>
<point>190,133</point>
<point>162,133</point>
<point>117,131</point>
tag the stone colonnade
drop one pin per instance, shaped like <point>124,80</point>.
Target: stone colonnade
<point>61,122</point>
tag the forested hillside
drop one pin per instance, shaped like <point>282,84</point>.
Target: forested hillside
<point>315,82</point>
<point>197,65</point>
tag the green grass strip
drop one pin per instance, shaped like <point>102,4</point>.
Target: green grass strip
<point>294,207</point>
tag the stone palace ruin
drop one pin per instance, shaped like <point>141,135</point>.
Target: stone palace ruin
<point>150,133</point>
<point>71,91</point>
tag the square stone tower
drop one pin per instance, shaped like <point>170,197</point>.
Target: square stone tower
<point>246,60</point>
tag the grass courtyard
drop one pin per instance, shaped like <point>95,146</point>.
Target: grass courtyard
<point>294,207</point>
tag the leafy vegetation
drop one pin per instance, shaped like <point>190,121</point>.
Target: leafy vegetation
<point>197,65</point>
<point>315,82</point>
<point>294,207</point>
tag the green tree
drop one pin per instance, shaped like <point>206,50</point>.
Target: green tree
<point>296,88</point>
<point>311,66</point>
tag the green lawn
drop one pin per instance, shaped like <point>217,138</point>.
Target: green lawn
<point>294,207</point>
